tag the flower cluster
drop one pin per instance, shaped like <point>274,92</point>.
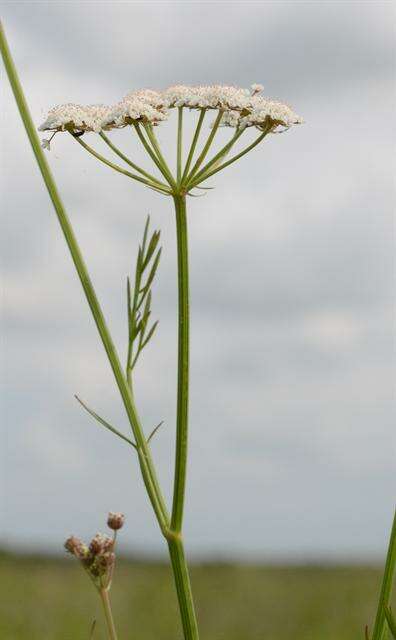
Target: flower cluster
<point>98,558</point>
<point>240,107</point>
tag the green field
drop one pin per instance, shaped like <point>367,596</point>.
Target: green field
<point>45,599</point>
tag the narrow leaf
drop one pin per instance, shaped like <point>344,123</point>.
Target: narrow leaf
<point>104,423</point>
<point>151,248</point>
<point>129,296</point>
<point>146,228</point>
<point>150,334</point>
<point>154,431</point>
<point>152,272</point>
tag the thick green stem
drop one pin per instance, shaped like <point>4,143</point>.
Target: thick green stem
<point>183,588</point>
<point>380,625</point>
<point>179,564</point>
<point>147,469</point>
<point>183,365</point>
<point>104,596</point>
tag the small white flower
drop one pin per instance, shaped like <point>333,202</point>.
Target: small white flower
<point>46,144</point>
<point>241,107</point>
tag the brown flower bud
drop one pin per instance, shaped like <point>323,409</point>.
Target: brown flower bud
<point>105,561</point>
<point>115,520</point>
<point>72,544</point>
<point>100,544</point>
<point>77,548</point>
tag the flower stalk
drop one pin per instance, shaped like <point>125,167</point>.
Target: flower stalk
<point>183,365</point>
<point>142,111</point>
<point>105,598</point>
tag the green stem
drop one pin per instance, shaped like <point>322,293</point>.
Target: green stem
<point>179,142</point>
<point>231,160</point>
<point>183,365</point>
<point>129,162</point>
<point>386,588</point>
<point>104,596</point>
<point>153,139</point>
<point>151,153</point>
<point>224,151</point>
<point>146,464</point>
<point>183,588</point>
<point>154,185</point>
<point>207,146</point>
<point>193,144</point>
<point>85,280</point>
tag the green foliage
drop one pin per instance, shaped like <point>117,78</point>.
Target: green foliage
<point>384,622</point>
<point>139,300</point>
<point>42,599</point>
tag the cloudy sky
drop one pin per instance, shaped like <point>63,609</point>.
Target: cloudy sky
<point>293,356</point>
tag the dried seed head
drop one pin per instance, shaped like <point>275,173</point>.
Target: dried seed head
<point>77,548</point>
<point>100,544</point>
<point>72,543</point>
<point>115,521</point>
<point>105,562</point>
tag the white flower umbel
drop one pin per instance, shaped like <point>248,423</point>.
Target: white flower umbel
<point>144,109</point>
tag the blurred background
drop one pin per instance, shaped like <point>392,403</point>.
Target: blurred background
<point>292,446</point>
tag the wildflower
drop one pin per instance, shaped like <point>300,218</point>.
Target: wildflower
<point>46,144</point>
<point>100,544</point>
<point>115,521</point>
<point>152,107</point>
<point>77,548</point>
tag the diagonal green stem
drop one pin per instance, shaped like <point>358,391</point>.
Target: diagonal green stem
<point>152,155</point>
<point>251,146</point>
<point>154,185</point>
<point>148,471</point>
<point>380,624</point>
<point>217,158</point>
<point>129,162</point>
<point>193,144</point>
<point>207,146</point>
<point>153,139</point>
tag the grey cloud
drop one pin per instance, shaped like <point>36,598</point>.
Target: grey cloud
<point>291,270</point>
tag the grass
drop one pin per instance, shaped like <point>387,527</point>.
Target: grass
<point>52,599</point>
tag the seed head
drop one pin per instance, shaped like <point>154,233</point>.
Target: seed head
<point>72,543</point>
<point>77,548</point>
<point>105,562</point>
<point>115,521</point>
<point>100,544</point>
